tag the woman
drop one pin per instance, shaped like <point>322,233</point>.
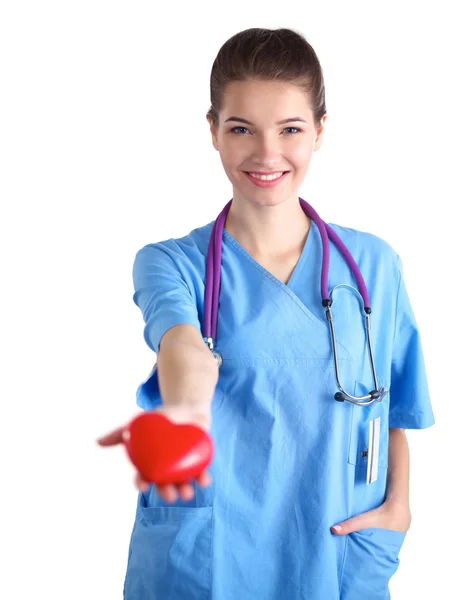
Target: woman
<point>298,501</point>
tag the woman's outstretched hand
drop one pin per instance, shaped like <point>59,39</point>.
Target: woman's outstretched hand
<point>177,414</point>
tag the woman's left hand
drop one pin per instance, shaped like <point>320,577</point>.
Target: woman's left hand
<point>392,514</point>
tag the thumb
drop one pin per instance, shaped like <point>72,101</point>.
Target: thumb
<point>361,521</point>
<point>112,438</point>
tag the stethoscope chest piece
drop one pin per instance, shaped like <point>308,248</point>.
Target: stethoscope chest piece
<point>210,344</point>
<point>218,358</point>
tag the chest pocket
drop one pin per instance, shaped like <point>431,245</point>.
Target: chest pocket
<point>360,427</point>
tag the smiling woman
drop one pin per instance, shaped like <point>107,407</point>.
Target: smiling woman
<point>251,289</point>
<point>267,162</point>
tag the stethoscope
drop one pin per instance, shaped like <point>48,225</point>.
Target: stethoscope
<point>212,292</point>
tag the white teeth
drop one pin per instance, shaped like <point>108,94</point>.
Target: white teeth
<point>267,177</point>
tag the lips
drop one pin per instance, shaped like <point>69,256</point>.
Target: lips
<point>263,183</point>
<point>266,172</point>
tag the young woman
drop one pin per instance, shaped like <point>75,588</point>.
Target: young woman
<point>259,323</point>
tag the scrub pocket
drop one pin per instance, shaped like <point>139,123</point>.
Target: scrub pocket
<point>360,424</point>
<point>371,560</point>
<point>170,554</point>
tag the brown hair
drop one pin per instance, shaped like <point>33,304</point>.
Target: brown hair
<point>268,55</point>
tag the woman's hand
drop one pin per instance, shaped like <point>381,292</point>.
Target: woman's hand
<point>177,414</point>
<point>392,514</point>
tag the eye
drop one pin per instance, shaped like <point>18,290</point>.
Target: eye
<point>295,128</point>
<point>234,128</point>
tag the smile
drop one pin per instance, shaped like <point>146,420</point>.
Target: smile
<point>270,180</point>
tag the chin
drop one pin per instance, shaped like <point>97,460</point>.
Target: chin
<point>262,199</point>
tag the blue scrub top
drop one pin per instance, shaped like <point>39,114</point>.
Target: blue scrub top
<point>289,460</point>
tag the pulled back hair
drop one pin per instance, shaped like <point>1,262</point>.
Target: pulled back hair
<point>268,55</point>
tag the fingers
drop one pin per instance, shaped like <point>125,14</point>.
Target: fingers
<point>204,479</point>
<point>185,491</point>
<point>167,493</point>
<point>171,492</point>
<point>141,483</point>
<point>112,438</point>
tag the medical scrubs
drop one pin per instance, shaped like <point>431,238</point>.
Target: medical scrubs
<point>290,461</point>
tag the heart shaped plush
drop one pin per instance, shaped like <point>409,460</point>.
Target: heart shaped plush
<point>167,452</point>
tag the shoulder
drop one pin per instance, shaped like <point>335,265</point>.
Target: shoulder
<point>179,262</point>
<point>367,247</point>
<point>363,240</point>
<point>190,248</point>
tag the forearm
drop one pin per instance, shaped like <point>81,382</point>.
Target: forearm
<point>187,376</point>
<point>397,488</point>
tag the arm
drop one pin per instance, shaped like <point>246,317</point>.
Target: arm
<point>397,489</point>
<point>183,385</point>
<point>398,467</point>
<point>187,371</point>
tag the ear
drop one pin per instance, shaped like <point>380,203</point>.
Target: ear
<point>320,133</point>
<point>213,131</point>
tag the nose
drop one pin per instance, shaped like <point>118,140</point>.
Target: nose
<point>267,152</point>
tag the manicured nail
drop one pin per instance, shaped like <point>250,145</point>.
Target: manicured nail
<point>337,528</point>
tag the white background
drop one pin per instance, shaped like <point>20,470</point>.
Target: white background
<point>105,148</point>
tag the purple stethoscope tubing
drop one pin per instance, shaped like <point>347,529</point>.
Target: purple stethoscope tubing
<point>212,294</point>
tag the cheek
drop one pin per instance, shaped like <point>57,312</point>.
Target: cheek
<point>231,169</point>
<point>233,158</point>
<point>302,155</point>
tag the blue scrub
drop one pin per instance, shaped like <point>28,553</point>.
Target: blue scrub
<point>289,460</point>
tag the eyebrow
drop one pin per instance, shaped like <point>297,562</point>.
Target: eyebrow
<point>291,120</point>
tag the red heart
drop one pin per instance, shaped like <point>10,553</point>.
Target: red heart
<point>167,452</point>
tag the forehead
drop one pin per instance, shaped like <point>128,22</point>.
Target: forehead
<point>273,97</point>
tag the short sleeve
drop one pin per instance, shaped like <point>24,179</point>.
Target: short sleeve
<point>165,300</point>
<point>161,293</point>
<point>410,406</point>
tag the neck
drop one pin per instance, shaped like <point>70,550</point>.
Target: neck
<point>268,231</point>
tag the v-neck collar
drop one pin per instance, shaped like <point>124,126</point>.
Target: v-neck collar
<point>297,268</point>
<point>313,235</point>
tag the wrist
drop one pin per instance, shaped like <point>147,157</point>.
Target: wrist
<point>197,414</point>
<point>401,502</point>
